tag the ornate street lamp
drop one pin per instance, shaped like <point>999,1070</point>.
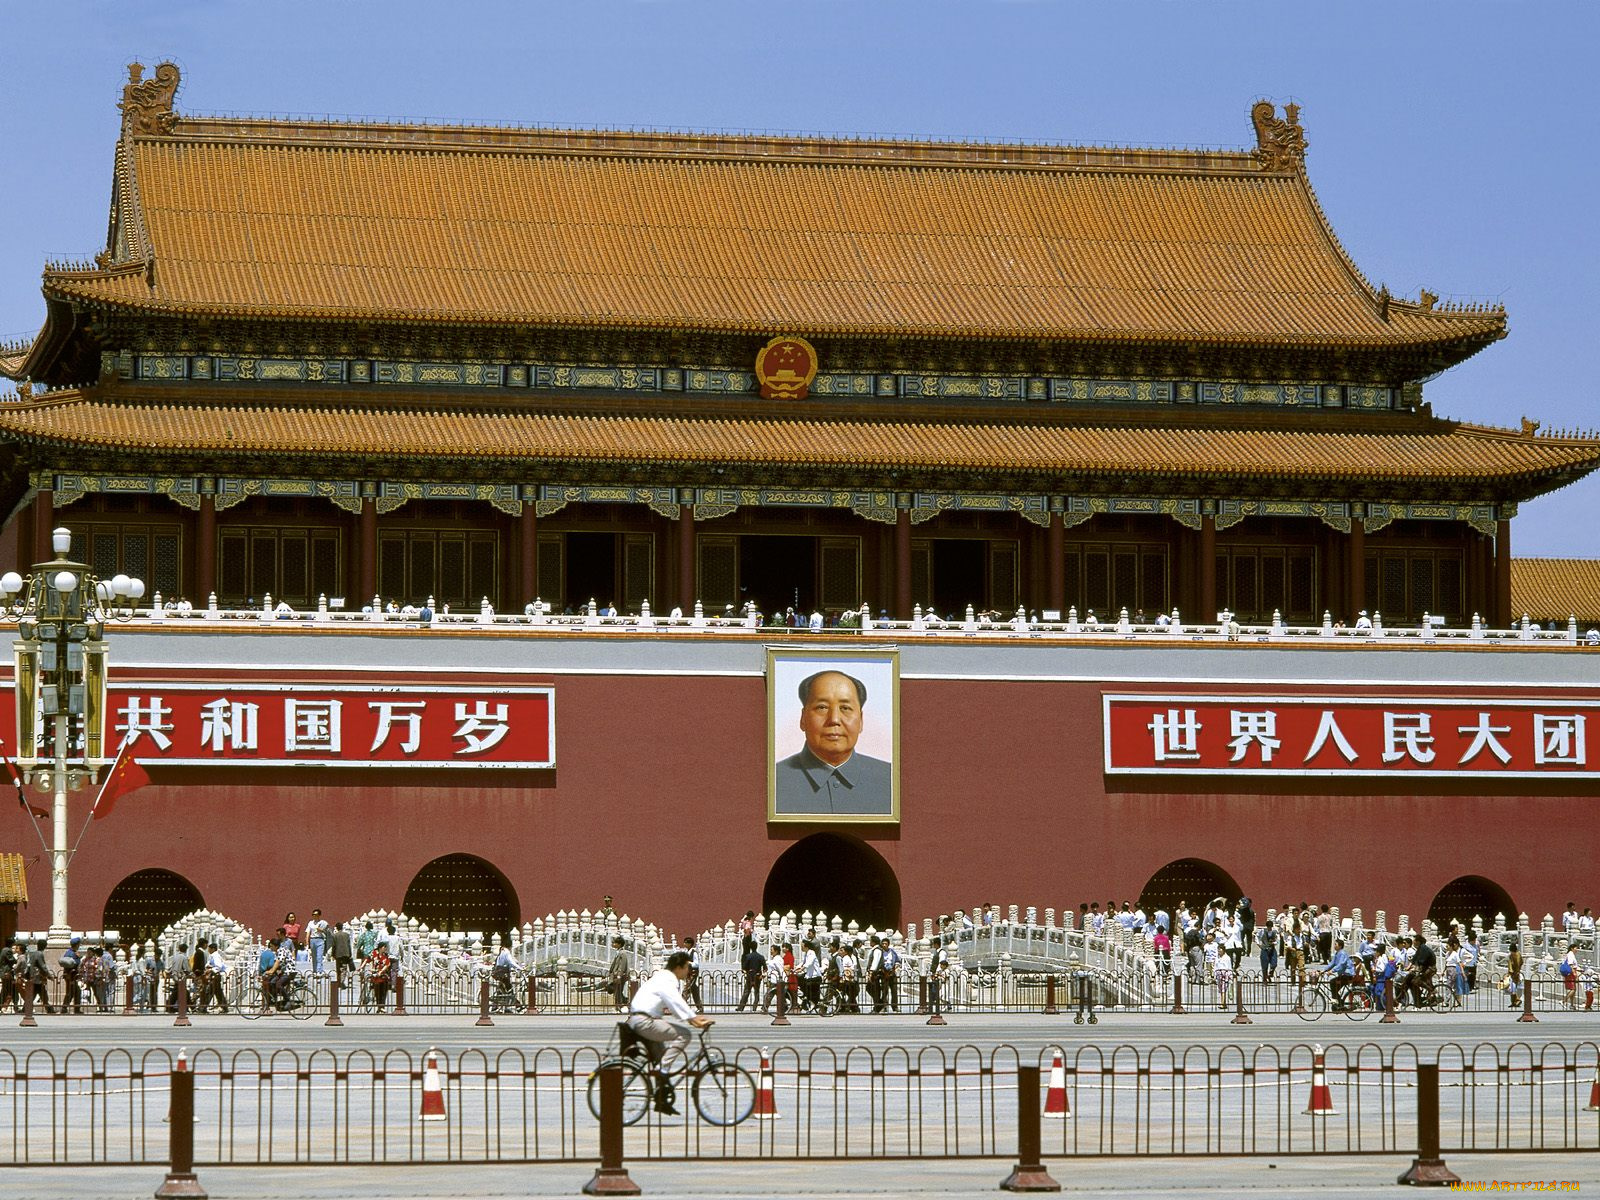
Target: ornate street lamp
<point>61,610</point>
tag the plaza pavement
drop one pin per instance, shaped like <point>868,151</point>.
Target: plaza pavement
<point>1333,1178</point>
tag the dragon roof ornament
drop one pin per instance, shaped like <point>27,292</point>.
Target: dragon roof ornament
<point>1280,142</point>
<point>147,103</point>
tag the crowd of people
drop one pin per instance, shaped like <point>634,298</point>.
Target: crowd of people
<point>1213,945</point>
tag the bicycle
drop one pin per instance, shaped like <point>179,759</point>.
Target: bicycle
<point>723,1093</point>
<point>1316,1000</point>
<point>297,1000</point>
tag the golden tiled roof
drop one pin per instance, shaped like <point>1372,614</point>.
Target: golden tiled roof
<point>739,234</point>
<point>1547,588</point>
<point>13,880</point>
<point>1417,451</point>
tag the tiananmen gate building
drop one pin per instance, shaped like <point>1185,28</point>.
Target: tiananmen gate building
<point>337,364</point>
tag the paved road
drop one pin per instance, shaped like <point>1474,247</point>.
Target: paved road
<point>1343,1178</point>
<point>1026,1031</point>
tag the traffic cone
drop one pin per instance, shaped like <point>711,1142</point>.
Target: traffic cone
<point>1055,1096</point>
<point>1321,1095</point>
<point>766,1108</point>
<point>1594,1092</point>
<point>432,1093</point>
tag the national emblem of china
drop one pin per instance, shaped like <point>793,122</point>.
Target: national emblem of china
<point>785,368</point>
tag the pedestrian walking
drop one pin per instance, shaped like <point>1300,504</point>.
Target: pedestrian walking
<point>617,975</point>
<point>754,966</point>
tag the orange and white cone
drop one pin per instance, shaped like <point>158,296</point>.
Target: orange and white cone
<point>766,1108</point>
<point>432,1092</point>
<point>1321,1095</point>
<point>1055,1096</point>
<point>1594,1092</point>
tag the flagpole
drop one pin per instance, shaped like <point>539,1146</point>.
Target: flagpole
<point>22,796</point>
<point>104,783</point>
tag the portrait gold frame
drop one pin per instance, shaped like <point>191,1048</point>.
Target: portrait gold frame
<point>822,656</point>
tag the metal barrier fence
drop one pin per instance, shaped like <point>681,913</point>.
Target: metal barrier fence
<point>722,992</point>
<point>259,1108</point>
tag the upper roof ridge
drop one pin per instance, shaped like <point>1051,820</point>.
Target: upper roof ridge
<point>147,111</point>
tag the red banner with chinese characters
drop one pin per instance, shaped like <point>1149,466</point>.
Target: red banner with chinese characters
<point>1346,735</point>
<point>330,725</point>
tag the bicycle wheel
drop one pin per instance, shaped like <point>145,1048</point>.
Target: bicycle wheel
<point>1313,1004</point>
<point>1359,1006</point>
<point>724,1094</point>
<point>636,1091</point>
<point>302,1001</point>
<point>251,1004</point>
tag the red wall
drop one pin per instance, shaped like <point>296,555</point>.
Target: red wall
<point>659,800</point>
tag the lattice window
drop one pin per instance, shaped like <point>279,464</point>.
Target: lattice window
<point>391,567</point>
<point>453,578</point>
<point>107,557</point>
<point>234,576</point>
<point>326,577</point>
<point>1274,590</point>
<point>638,570</point>
<point>841,573</point>
<point>1125,588</point>
<point>1153,583</point>
<point>1422,594</point>
<point>1449,601</point>
<point>165,570</point>
<point>551,574</point>
<point>294,577</point>
<point>1003,561</point>
<point>1096,583</point>
<point>719,572</point>
<point>1302,587</point>
<point>482,553</point>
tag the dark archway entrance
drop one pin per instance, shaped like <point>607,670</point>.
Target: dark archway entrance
<point>1471,896</point>
<point>462,893</point>
<point>834,874</point>
<point>1188,879</point>
<point>147,901</point>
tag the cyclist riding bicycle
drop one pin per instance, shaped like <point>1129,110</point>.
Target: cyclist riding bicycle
<point>664,1039</point>
<point>1341,972</point>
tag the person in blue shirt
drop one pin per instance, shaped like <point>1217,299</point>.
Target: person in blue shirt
<point>272,971</point>
<point>1341,972</point>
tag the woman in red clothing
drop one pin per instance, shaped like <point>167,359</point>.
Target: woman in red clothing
<point>291,929</point>
<point>789,972</point>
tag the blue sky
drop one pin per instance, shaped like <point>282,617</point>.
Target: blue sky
<point>1454,146</point>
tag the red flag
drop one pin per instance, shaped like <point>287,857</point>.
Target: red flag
<point>125,776</point>
<point>42,814</point>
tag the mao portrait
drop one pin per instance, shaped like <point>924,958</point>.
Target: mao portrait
<point>833,736</point>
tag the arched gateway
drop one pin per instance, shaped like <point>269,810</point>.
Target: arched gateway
<point>1188,879</point>
<point>1471,896</point>
<point>835,874</point>
<point>147,901</point>
<point>462,892</point>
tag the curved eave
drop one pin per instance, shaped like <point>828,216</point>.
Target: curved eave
<point>1464,335</point>
<point>1423,456</point>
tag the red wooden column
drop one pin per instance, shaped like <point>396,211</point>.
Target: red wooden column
<point>1503,616</point>
<point>368,551</point>
<point>1056,558</point>
<point>527,552</point>
<point>44,520</point>
<point>1207,568</point>
<point>1355,568</point>
<point>686,580</point>
<point>205,550</point>
<point>902,558</point>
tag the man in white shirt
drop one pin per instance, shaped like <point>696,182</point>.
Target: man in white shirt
<point>667,1040</point>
